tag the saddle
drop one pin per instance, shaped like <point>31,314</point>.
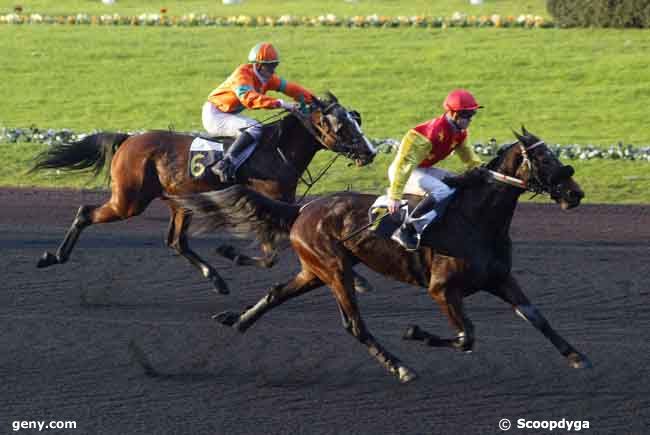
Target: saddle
<point>386,226</point>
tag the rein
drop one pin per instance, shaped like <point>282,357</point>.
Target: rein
<point>322,135</point>
<point>517,182</point>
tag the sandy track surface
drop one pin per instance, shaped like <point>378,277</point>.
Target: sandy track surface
<point>73,337</point>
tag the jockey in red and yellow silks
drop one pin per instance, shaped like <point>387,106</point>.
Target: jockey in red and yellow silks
<point>426,145</point>
<point>413,171</point>
<point>246,88</point>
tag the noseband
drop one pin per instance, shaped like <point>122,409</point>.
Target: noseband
<point>534,183</point>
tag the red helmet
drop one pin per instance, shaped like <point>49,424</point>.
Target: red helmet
<point>460,99</point>
<point>263,53</point>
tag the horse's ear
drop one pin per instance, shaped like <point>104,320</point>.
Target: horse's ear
<point>518,136</point>
<point>356,116</point>
<point>319,103</point>
<point>331,97</point>
<point>524,131</point>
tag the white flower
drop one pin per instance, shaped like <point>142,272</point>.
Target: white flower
<point>458,16</point>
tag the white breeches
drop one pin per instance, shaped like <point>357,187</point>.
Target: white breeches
<point>425,180</point>
<point>218,123</point>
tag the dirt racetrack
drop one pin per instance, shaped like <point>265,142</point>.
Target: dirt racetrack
<point>73,337</point>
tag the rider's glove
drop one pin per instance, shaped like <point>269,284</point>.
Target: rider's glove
<point>287,106</point>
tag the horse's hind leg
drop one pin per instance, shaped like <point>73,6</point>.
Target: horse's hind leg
<point>361,284</point>
<point>117,208</point>
<point>510,292</point>
<point>177,240</point>
<point>81,221</point>
<point>302,283</point>
<point>341,283</point>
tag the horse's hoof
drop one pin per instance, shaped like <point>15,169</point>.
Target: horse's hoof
<point>46,260</point>
<point>579,361</point>
<point>220,285</point>
<point>227,318</point>
<point>413,332</point>
<point>405,375</point>
<point>226,251</point>
<point>361,285</point>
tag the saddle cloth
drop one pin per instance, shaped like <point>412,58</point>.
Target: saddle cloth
<point>203,154</point>
<point>206,152</point>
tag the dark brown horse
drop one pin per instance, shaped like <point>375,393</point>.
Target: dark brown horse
<point>155,165</point>
<point>467,251</point>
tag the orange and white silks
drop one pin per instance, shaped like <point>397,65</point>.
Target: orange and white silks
<point>426,145</point>
<point>243,89</point>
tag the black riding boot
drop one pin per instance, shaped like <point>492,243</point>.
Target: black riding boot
<point>225,168</point>
<point>408,235</point>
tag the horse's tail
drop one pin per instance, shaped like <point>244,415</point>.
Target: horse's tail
<point>242,211</point>
<point>90,153</point>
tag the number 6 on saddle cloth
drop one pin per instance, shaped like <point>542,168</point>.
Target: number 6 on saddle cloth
<point>203,154</point>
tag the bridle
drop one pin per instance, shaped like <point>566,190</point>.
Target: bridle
<point>534,184</point>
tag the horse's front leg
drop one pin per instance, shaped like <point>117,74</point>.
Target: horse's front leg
<point>268,260</point>
<point>511,292</point>
<point>450,299</point>
<point>177,240</point>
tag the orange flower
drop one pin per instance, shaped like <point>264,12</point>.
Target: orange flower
<point>163,10</point>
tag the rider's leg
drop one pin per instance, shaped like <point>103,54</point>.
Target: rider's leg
<point>423,181</point>
<point>226,167</point>
<point>246,130</point>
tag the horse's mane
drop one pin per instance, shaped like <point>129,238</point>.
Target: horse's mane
<point>469,178</point>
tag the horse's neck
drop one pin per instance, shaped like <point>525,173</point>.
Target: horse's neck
<point>269,173</point>
<point>299,147</point>
<point>490,207</point>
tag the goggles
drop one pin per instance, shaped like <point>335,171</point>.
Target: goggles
<point>466,114</point>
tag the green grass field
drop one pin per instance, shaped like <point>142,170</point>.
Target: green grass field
<point>283,7</point>
<point>567,86</point>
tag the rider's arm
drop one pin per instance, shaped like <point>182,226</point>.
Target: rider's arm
<point>466,154</point>
<point>291,89</point>
<point>251,99</point>
<point>413,149</point>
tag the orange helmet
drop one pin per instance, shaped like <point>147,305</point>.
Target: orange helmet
<point>263,52</point>
<point>460,99</point>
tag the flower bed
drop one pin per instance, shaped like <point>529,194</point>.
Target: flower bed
<point>162,19</point>
<point>386,145</point>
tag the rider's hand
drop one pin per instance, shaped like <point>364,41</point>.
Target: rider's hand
<point>394,205</point>
<point>291,107</point>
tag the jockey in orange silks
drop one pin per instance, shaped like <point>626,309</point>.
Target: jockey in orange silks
<point>422,147</point>
<point>245,89</point>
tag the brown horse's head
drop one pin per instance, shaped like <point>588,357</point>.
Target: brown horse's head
<point>532,161</point>
<point>340,130</point>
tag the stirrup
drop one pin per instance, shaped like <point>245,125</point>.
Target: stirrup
<point>224,170</point>
<point>407,237</point>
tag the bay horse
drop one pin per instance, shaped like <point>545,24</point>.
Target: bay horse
<point>154,164</point>
<point>468,250</point>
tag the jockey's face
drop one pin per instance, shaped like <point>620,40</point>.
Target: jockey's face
<point>266,70</point>
<point>463,118</point>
